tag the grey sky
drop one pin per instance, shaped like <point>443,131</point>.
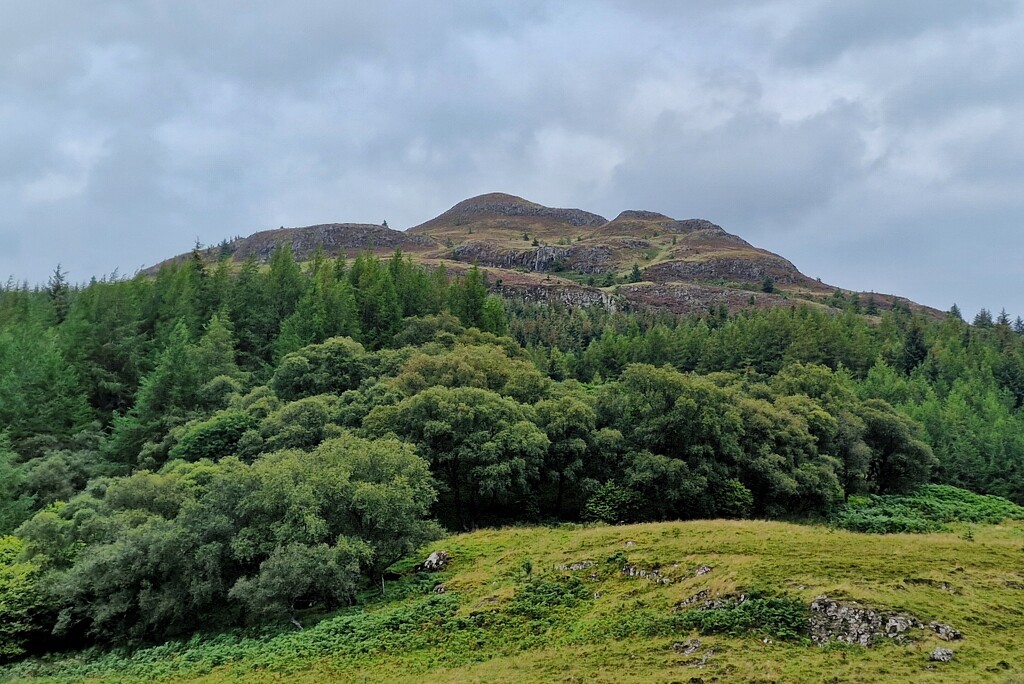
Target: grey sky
<point>876,144</point>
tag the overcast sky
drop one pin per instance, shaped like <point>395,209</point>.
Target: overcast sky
<point>879,145</point>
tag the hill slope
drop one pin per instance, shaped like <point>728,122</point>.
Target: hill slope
<point>685,266</point>
<point>618,604</point>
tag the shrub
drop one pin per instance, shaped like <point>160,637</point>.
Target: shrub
<point>929,509</point>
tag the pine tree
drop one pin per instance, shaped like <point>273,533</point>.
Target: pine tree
<point>467,298</point>
<point>59,294</point>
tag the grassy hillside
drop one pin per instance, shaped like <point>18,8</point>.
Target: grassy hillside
<point>513,609</point>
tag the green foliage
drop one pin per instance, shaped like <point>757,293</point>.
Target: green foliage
<point>22,603</point>
<point>180,450</point>
<point>778,617</point>
<point>15,505</point>
<point>482,448</point>
<point>334,366</point>
<point>214,438</point>
<point>928,509</point>
<point>612,504</point>
<point>539,598</point>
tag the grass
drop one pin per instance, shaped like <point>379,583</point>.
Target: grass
<point>512,612</point>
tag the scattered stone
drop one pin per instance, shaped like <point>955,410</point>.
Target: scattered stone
<point>654,575</point>
<point>938,584</point>
<point>941,655</point>
<point>852,623</point>
<point>582,565</point>
<point>435,562</point>
<point>700,596</point>
<point>704,659</point>
<point>630,543</point>
<point>1014,585</point>
<point>727,601</point>
<point>702,570</point>
<point>687,647</point>
<point>945,632</point>
<point>597,595</point>
<point>440,589</point>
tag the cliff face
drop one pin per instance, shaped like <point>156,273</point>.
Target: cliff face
<point>582,258</point>
<point>686,266</point>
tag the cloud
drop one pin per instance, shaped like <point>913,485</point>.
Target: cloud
<point>873,143</point>
<point>837,27</point>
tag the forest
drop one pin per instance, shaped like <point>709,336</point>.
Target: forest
<point>221,445</point>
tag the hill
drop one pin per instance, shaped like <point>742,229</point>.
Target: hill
<point>577,257</point>
<point>647,603</point>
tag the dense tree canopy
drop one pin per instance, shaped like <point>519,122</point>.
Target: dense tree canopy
<point>218,445</point>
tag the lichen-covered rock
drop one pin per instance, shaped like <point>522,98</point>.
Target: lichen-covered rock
<point>700,597</point>
<point>654,575</point>
<point>852,623</point>
<point>688,647</point>
<point>436,561</point>
<point>945,632</point>
<point>581,565</point>
<point>941,655</point>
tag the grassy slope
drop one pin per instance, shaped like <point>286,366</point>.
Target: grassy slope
<point>612,638</point>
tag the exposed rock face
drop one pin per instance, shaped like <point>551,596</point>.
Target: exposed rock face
<point>580,258</point>
<point>576,296</point>
<point>436,561</point>
<point>852,623</point>
<point>688,298</point>
<point>733,269</point>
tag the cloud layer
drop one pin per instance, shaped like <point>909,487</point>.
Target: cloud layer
<point>875,144</point>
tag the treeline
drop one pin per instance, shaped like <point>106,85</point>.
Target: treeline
<point>217,446</point>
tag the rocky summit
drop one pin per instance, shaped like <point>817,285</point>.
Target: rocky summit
<point>638,260</point>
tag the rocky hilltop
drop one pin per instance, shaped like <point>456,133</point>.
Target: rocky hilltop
<point>638,259</point>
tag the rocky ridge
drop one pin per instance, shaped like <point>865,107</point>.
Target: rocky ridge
<point>685,266</point>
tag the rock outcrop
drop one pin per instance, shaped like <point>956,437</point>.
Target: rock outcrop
<point>851,623</point>
<point>435,562</point>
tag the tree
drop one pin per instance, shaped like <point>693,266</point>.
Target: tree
<point>768,284</point>
<point>380,312</point>
<point>482,448</point>
<point>15,506</point>
<point>22,601</point>
<point>570,425</point>
<point>899,460</point>
<point>285,283</point>
<point>299,576</point>
<point>332,367</point>
<point>59,294</point>
<point>493,318</point>
<point>468,296</point>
